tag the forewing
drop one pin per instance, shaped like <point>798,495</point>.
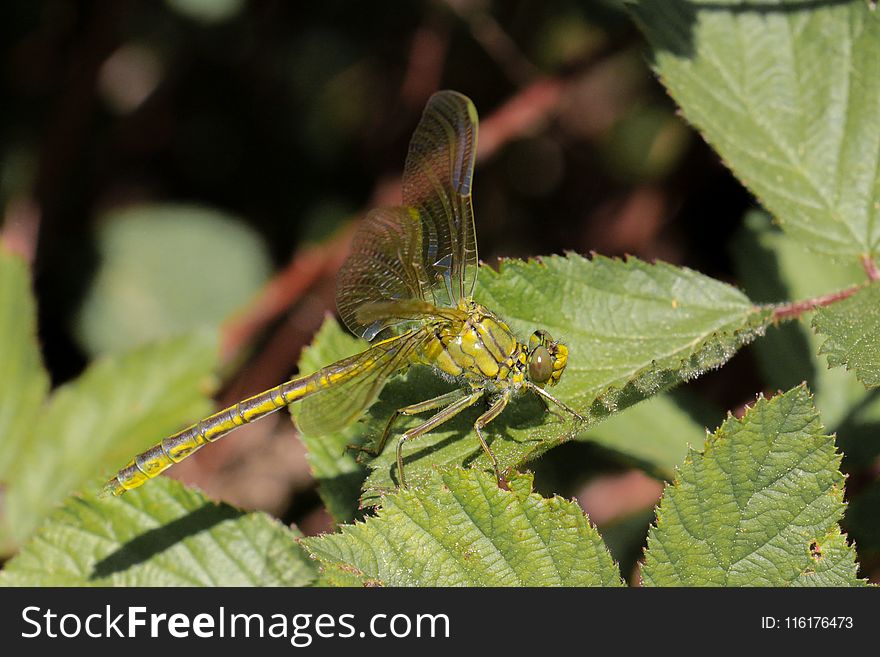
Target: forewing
<point>437,183</point>
<point>385,266</point>
<point>354,384</point>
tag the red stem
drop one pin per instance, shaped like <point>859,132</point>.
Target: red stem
<point>798,308</point>
<point>870,267</point>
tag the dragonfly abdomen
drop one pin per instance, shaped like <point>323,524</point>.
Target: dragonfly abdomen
<point>174,449</point>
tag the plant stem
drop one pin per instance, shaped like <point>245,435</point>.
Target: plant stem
<point>870,267</point>
<point>798,308</point>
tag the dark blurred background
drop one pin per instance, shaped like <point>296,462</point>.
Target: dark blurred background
<point>231,144</point>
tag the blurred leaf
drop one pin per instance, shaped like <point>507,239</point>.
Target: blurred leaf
<point>339,475</point>
<point>645,144</point>
<point>564,39</point>
<point>162,535</point>
<point>759,506</point>
<point>23,381</point>
<point>632,329</point>
<point>625,536</point>
<point>657,431</point>
<point>863,523</point>
<point>852,331</point>
<point>207,11</point>
<point>462,530</point>
<point>118,407</point>
<point>787,93</point>
<point>168,269</point>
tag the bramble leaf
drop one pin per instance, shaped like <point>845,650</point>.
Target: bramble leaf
<point>633,329</point>
<point>167,269</point>
<point>24,383</point>
<point>165,535</point>
<point>787,93</point>
<point>852,330</point>
<point>118,407</point>
<point>759,506</point>
<point>460,529</point>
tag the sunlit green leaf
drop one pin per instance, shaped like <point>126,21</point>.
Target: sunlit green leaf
<point>852,331</point>
<point>775,269</point>
<point>118,407</point>
<point>759,506</point>
<point>460,529</point>
<point>23,381</point>
<point>633,329</point>
<point>787,92</point>
<point>164,535</point>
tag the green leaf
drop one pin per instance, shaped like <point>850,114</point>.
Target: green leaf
<point>339,475</point>
<point>207,11</point>
<point>162,535</point>
<point>165,270</point>
<point>788,94</point>
<point>759,506</point>
<point>852,330</point>
<point>23,381</point>
<point>633,329</point>
<point>118,407</point>
<point>460,529</point>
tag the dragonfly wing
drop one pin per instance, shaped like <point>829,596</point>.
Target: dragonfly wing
<point>426,251</point>
<point>354,383</point>
<point>384,266</point>
<point>437,181</point>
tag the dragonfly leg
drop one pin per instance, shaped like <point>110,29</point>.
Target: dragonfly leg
<point>549,410</point>
<point>413,409</point>
<point>494,411</point>
<point>434,421</point>
<point>544,395</point>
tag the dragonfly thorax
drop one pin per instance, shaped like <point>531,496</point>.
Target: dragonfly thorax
<point>483,351</point>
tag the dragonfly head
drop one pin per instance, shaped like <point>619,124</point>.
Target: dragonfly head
<point>546,359</point>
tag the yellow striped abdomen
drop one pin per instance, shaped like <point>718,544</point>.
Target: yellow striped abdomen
<point>175,448</point>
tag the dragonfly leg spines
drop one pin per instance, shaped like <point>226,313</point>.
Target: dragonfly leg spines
<point>494,411</point>
<point>546,395</point>
<point>433,422</point>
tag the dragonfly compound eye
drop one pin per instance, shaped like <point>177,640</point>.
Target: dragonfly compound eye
<point>540,365</point>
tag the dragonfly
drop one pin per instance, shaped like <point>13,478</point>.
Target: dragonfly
<point>407,289</point>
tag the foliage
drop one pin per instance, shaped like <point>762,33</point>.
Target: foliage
<point>167,535</point>
<point>53,445</point>
<point>339,475</point>
<point>759,506</point>
<point>598,307</point>
<point>462,530</point>
<point>786,93</point>
<point>150,284</point>
<point>852,328</point>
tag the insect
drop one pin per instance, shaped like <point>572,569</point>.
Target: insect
<point>406,288</point>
